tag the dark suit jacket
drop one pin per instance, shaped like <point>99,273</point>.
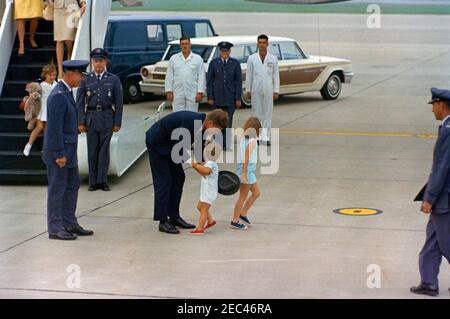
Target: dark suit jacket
<point>159,136</point>
<point>224,84</point>
<point>61,136</point>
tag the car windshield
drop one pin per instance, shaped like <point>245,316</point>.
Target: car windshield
<point>201,50</point>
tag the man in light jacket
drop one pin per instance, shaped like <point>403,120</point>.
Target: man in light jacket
<point>186,79</point>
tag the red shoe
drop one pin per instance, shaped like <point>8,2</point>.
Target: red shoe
<point>197,232</point>
<point>211,225</point>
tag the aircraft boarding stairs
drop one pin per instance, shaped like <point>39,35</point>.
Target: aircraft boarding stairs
<point>126,146</point>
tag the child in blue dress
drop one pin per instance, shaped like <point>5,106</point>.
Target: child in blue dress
<point>246,170</point>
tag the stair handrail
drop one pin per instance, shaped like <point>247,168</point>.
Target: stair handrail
<point>8,32</point>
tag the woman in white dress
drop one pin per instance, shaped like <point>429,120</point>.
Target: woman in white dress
<point>48,84</point>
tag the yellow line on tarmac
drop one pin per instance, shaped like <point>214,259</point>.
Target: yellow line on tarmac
<point>369,134</point>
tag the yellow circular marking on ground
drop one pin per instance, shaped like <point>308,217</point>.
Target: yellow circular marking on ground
<point>358,211</point>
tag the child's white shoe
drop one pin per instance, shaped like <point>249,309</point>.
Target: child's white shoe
<point>27,150</point>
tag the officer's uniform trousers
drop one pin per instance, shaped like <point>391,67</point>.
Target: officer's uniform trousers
<point>99,126</point>
<point>63,185</point>
<point>436,245</point>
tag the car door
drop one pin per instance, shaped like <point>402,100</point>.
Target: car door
<point>302,74</point>
<point>274,48</point>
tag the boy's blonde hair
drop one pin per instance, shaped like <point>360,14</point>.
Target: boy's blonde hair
<point>218,117</point>
<point>48,69</point>
<point>252,127</point>
<point>212,151</point>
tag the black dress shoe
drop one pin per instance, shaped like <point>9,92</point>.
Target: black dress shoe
<point>104,187</point>
<point>80,231</point>
<point>92,188</point>
<point>426,289</point>
<point>181,223</point>
<point>167,227</point>
<point>62,235</point>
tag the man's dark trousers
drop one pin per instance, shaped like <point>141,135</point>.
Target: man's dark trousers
<point>168,182</point>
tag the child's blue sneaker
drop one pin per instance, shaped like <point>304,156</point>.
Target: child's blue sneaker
<point>238,225</point>
<point>245,220</point>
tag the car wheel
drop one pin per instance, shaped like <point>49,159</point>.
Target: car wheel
<point>332,88</point>
<point>132,91</point>
<point>245,102</point>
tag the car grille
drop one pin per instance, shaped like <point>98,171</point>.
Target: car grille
<point>159,76</point>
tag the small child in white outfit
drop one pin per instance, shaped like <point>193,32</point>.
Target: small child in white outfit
<point>209,188</point>
<point>48,84</point>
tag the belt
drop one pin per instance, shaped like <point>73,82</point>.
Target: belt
<point>98,108</point>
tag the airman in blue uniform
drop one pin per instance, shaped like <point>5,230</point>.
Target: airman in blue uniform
<point>224,85</point>
<point>100,108</point>
<point>435,198</point>
<point>60,155</point>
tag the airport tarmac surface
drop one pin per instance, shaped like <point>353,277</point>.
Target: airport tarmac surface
<point>370,148</point>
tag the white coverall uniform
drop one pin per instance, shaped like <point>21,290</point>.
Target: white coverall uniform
<point>185,78</point>
<point>262,81</point>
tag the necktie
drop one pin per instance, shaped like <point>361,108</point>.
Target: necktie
<point>224,63</point>
<point>71,96</point>
<point>98,78</point>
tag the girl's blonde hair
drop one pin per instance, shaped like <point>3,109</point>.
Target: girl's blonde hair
<point>252,127</point>
<point>48,69</point>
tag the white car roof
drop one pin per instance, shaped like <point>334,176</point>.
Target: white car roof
<point>236,40</point>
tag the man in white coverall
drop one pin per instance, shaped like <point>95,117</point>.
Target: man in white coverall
<point>186,79</point>
<point>263,85</point>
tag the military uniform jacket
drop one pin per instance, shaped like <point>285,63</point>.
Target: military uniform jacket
<point>107,94</point>
<point>61,136</point>
<point>438,187</point>
<point>224,83</point>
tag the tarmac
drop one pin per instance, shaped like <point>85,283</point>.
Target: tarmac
<point>370,148</point>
